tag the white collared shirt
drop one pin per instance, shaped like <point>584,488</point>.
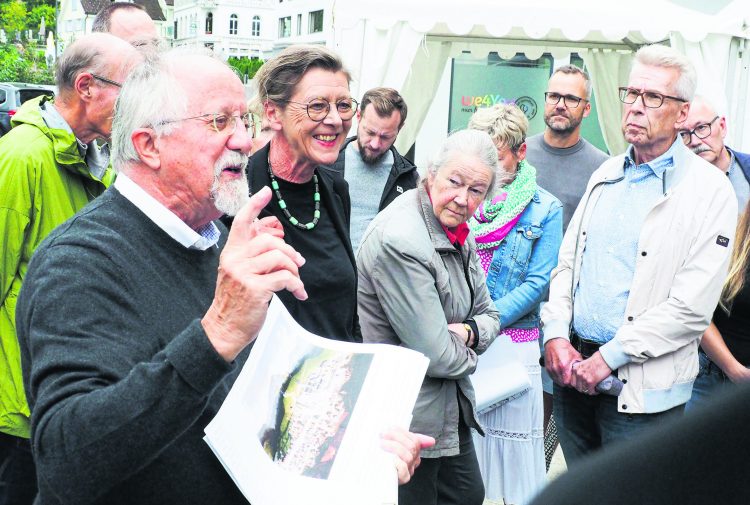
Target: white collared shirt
<point>205,237</point>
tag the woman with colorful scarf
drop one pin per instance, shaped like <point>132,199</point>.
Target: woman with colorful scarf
<point>518,231</point>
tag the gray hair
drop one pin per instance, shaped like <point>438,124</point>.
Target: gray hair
<point>718,110</point>
<point>471,143</point>
<point>573,70</point>
<point>151,96</point>
<point>81,56</point>
<point>657,55</point>
<point>279,76</point>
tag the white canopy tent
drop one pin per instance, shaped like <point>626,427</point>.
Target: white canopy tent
<point>405,44</point>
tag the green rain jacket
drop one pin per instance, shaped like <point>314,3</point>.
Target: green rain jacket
<point>43,182</point>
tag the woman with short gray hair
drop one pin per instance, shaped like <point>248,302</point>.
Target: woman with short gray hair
<point>421,287</point>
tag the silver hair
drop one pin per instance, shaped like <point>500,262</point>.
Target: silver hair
<point>714,106</point>
<point>657,55</point>
<point>151,96</point>
<point>471,143</point>
<point>572,69</point>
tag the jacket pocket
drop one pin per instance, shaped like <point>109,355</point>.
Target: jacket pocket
<point>526,235</point>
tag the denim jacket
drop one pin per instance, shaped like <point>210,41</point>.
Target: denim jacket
<point>519,274</point>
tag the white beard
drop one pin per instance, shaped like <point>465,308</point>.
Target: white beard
<point>230,196</point>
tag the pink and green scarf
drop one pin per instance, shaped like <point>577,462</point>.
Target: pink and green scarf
<point>494,218</point>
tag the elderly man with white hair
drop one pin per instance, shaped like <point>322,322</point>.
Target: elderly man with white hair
<point>130,340</point>
<point>640,268</point>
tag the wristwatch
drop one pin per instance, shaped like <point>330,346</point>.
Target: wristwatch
<point>468,332</point>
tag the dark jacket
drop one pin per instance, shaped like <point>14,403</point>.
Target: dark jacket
<point>743,160</point>
<point>403,175</point>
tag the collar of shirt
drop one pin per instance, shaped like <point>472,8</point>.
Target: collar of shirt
<point>96,158</point>
<point>201,239</point>
<point>658,165</point>
<point>459,236</point>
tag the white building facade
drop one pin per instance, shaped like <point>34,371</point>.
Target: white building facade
<point>239,28</point>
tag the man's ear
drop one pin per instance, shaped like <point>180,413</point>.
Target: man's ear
<point>587,109</point>
<point>82,85</point>
<point>273,115</point>
<point>146,145</point>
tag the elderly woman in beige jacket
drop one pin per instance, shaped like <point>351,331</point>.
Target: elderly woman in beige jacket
<point>421,286</point>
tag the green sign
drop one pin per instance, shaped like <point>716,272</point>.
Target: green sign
<point>483,83</point>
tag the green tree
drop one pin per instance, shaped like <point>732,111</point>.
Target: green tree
<point>245,66</point>
<point>34,19</point>
<point>13,18</point>
<point>24,64</point>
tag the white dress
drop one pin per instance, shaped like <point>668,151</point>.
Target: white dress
<point>511,454</point>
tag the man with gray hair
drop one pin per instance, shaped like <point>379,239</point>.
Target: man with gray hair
<point>50,167</point>
<point>128,21</point>
<point>375,170</point>
<point>704,132</point>
<point>640,269</point>
<point>168,300</point>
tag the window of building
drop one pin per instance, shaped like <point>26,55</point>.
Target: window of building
<point>285,27</point>
<point>193,24</point>
<point>209,23</point>
<point>315,23</point>
<point>233,24</point>
<point>256,26</point>
<point>299,24</point>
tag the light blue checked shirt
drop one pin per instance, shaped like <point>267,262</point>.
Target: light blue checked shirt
<point>612,245</point>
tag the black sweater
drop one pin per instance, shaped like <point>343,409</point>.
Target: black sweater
<point>735,327</point>
<point>119,373</point>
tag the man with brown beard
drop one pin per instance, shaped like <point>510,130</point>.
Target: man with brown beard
<point>372,162</point>
<point>564,161</point>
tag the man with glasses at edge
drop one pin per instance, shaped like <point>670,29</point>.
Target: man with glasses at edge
<point>50,167</point>
<point>564,162</point>
<point>704,132</point>
<point>640,269</point>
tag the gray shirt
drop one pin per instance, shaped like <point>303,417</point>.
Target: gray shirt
<point>739,183</point>
<point>366,183</point>
<point>564,172</point>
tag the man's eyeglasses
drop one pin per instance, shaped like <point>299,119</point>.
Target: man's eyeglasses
<point>701,131</point>
<point>570,101</point>
<point>650,99</point>
<point>318,108</point>
<point>108,81</point>
<point>223,123</point>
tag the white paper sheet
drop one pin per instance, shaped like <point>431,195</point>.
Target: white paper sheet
<point>318,408</point>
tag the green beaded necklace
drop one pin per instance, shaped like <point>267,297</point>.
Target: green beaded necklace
<point>282,203</point>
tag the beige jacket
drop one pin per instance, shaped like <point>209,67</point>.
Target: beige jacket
<point>412,284</point>
<point>684,245</point>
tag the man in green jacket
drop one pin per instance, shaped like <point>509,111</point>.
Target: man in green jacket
<point>50,167</point>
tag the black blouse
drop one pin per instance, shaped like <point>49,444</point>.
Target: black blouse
<point>329,273</point>
<point>735,327</point>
